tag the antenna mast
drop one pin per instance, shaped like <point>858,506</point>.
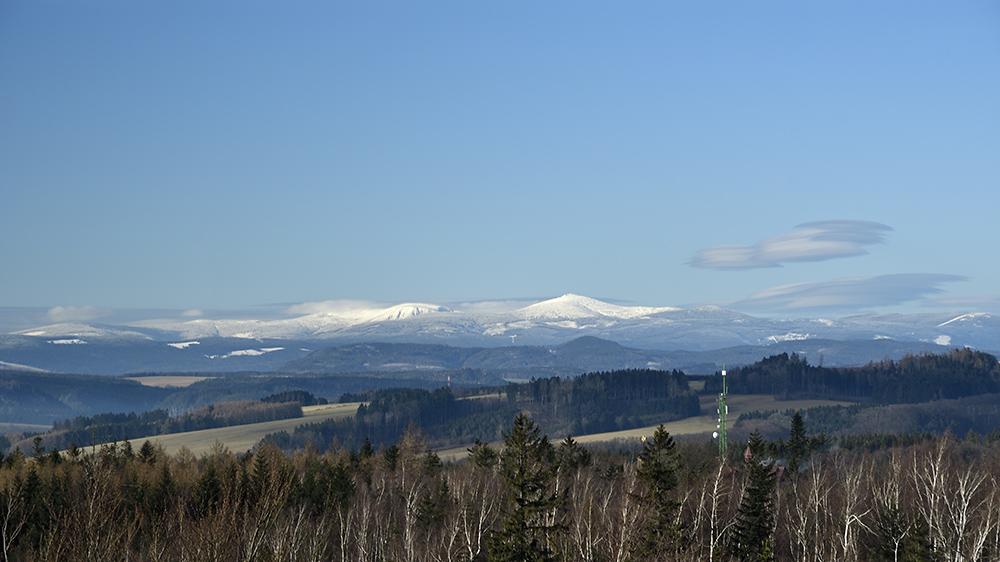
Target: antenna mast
<point>723,410</point>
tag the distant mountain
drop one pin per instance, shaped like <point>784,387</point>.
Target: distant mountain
<point>229,345</point>
<point>586,354</point>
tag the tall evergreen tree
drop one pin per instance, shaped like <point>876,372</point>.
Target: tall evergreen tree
<point>527,466</point>
<point>753,533</point>
<point>798,445</point>
<point>658,470</point>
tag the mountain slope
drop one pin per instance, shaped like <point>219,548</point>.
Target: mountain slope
<point>250,344</point>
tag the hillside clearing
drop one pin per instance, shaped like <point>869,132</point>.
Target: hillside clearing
<point>244,437</point>
<point>241,438</point>
<point>168,381</point>
<point>705,423</point>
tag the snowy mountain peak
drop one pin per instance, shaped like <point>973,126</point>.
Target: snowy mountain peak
<point>570,306</point>
<point>72,329</point>
<point>404,311</point>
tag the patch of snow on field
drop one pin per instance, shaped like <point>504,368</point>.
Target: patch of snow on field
<point>943,340</point>
<point>790,336</point>
<point>246,353</point>
<point>67,342</point>
<point>184,344</point>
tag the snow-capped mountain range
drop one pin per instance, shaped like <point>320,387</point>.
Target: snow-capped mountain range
<point>548,323</point>
<point>556,321</point>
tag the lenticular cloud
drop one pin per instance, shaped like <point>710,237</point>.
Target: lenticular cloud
<point>848,293</point>
<point>812,241</point>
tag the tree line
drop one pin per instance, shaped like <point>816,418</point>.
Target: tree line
<point>590,403</point>
<point>531,499</point>
<point>914,378</point>
<point>83,431</point>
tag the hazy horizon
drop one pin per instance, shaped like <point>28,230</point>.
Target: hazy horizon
<point>786,159</point>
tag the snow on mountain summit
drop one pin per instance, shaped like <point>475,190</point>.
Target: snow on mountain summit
<point>403,311</point>
<point>572,307</point>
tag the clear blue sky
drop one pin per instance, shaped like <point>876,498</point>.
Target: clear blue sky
<point>224,155</point>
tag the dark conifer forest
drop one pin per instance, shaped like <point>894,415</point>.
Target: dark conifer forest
<point>373,487</point>
<point>524,498</point>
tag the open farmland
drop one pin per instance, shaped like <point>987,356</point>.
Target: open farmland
<point>168,381</point>
<point>241,438</point>
<point>706,423</point>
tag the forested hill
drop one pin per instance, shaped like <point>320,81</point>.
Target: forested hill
<point>590,403</point>
<point>914,378</point>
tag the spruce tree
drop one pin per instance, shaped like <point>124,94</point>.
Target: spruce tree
<point>527,466</point>
<point>753,533</point>
<point>798,444</point>
<point>658,470</point>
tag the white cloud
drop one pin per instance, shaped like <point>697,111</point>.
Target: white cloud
<point>968,302</point>
<point>486,307</point>
<point>811,241</point>
<point>334,307</point>
<point>75,313</point>
<point>848,293</point>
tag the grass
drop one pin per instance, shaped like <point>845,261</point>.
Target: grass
<point>167,381</point>
<point>704,424</point>
<point>243,437</point>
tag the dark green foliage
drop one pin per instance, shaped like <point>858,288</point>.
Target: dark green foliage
<point>483,456</point>
<point>32,397</point>
<point>753,533</point>
<point>590,403</point>
<point>390,457</point>
<point>527,466</point>
<point>147,453</point>
<point>658,472</point>
<point>304,398</point>
<point>434,506</point>
<point>111,427</point>
<point>797,446</point>
<point>899,537</point>
<point>432,463</point>
<point>570,456</point>
<point>367,450</point>
<point>914,378</point>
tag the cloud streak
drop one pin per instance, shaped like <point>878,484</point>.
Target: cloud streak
<point>848,293</point>
<point>74,313</point>
<point>968,302</point>
<point>811,241</point>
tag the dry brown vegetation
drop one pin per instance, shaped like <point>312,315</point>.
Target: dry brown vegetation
<point>245,437</point>
<point>168,381</point>
<point>938,499</point>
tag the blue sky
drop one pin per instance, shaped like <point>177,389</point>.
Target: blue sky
<point>782,158</point>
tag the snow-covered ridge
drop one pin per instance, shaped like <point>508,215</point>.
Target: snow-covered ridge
<point>70,330</point>
<point>404,311</point>
<point>570,306</point>
<point>549,322</point>
<point>969,316</point>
